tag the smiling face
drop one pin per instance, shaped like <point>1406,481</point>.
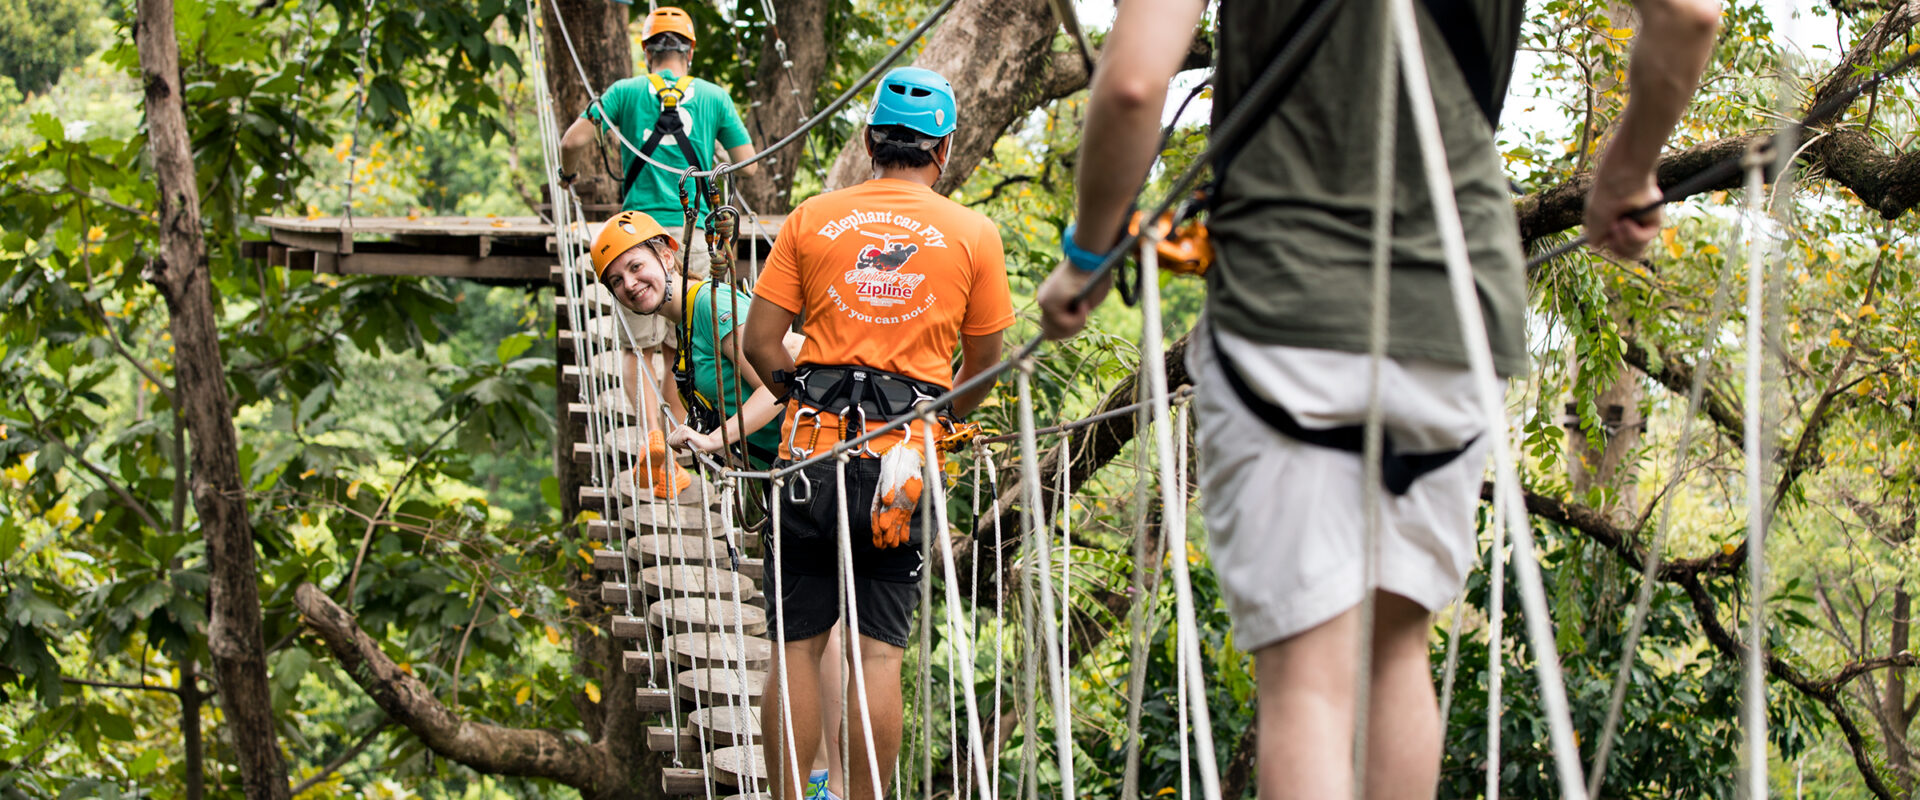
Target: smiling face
<point>638,278</point>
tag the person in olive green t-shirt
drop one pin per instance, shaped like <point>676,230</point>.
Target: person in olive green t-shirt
<point>1280,363</point>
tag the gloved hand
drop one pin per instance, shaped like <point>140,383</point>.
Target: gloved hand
<point>669,480</point>
<point>902,469</point>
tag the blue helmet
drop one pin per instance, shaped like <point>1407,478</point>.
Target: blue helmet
<point>917,99</point>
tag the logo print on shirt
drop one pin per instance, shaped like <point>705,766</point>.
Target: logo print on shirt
<point>876,273</point>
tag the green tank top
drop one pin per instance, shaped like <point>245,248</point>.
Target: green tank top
<point>1292,223</point>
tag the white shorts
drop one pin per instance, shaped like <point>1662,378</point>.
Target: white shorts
<point>652,330</point>
<point>1285,518</point>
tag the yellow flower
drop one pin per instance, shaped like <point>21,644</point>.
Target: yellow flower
<point>520,697</point>
<point>593,691</point>
<point>514,613</point>
<point>553,636</point>
<point>96,233</point>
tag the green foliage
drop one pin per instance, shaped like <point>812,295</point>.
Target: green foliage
<point>43,38</point>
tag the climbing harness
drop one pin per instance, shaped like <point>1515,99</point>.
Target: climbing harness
<point>669,126</point>
<point>1398,470</point>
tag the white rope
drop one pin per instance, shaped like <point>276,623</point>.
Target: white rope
<point>1754,681</point>
<point>853,623</point>
<point>1187,640</point>
<point>1371,499</point>
<point>1496,621</point>
<point>1137,615</point>
<point>1065,511</point>
<point>776,601</point>
<point>1000,616</point>
<point>1056,675</point>
<point>1479,352</point>
<point>935,493</point>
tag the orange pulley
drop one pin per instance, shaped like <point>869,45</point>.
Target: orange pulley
<point>1184,249</point>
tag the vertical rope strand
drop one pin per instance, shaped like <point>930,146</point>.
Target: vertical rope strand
<point>1552,688</point>
<point>1188,640</point>
<point>1056,675</point>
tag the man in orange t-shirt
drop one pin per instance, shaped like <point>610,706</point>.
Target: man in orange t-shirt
<point>891,278</point>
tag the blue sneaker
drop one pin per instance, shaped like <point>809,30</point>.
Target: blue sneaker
<point>817,786</point>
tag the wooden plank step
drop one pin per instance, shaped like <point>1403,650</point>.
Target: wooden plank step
<point>671,518</point>
<point>630,489</point>
<point>609,401</point>
<point>677,548</point>
<point>614,593</point>
<point>653,701</point>
<point>696,614</point>
<point>720,687</point>
<point>740,765</point>
<point>755,568</point>
<point>628,627</point>
<point>724,726</point>
<point>718,650</point>
<point>676,580</point>
<point>606,559</point>
<point>680,782</point>
<point>634,662</point>
<point>661,740</point>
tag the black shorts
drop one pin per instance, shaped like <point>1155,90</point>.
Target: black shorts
<point>886,583</point>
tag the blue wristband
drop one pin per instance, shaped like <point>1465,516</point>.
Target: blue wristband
<point>1082,260</point>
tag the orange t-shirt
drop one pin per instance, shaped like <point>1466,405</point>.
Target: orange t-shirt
<point>888,275</point>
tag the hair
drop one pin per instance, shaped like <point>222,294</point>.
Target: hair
<point>664,44</point>
<point>890,153</point>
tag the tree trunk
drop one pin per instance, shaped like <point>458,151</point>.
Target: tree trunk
<point>782,97</point>
<point>598,30</point>
<point>998,55</point>
<point>180,274</point>
<point>1894,715</point>
<point>192,744</point>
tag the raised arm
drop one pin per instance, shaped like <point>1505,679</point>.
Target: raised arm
<point>1669,53</point>
<point>1149,41</point>
<point>575,144</point>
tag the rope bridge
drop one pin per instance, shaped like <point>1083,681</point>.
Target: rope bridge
<point>684,574</point>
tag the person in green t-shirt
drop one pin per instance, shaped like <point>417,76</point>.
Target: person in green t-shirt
<point>634,257</point>
<point>1281,366</point>
<point>704,116</point>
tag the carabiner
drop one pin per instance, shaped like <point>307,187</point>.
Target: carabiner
<point>793,451</point>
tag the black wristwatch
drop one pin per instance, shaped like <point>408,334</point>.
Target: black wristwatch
<point>786,380</point>
<point>567,177</point>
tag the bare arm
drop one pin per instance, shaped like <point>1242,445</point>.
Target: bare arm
<point>575,144</point>
<point>765,345</point>
<point>977,353</point>
<point>1669,53</point>
<point>760,408</point>
<point>742,153</point>
<point>1122,137</point>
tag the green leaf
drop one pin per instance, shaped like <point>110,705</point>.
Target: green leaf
<point>144,765</point>
<point>113,726</point>
<point>49,128</point>
<point>511,347</point>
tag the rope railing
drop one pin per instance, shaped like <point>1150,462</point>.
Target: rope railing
<point>1166,413</point>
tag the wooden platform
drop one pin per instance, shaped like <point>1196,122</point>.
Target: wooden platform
<point>499,249</point>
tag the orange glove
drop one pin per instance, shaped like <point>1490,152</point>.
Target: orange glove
<point>669,480</point>
<point>901,481</point>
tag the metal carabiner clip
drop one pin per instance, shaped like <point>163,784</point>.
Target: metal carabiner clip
<point>805,413</point>
<point>866,448</point>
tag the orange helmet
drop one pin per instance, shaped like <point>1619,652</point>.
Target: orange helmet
<point>667,19</point>
<point>621,233</point>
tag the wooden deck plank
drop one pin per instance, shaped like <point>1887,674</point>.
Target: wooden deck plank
<point>666,548</point>
<point>697,614</point>
<point>650,700</point>
<point>720,687</point>
<point>712,650</point>
<point>737,766</point>
<point>724,726</point>
<point>680,580</point>
<point>679,782</point>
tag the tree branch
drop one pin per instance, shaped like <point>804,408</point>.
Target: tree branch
<point>488,748</point>
<point>1887,183</point>
<point>132,687</point>
<point>341,761</point>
